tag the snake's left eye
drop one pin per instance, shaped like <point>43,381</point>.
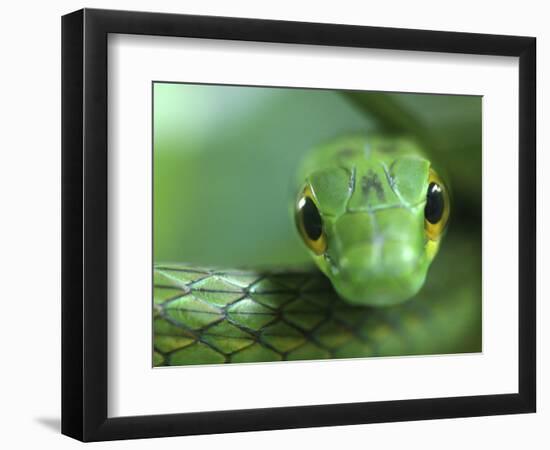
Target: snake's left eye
<point>310,222</point>
<point>436,211</point>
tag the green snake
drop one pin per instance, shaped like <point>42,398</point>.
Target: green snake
<point>372,211</point>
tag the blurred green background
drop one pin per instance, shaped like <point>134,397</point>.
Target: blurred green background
<point>225,159</point>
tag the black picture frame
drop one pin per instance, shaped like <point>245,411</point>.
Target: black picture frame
<point>84,224</point>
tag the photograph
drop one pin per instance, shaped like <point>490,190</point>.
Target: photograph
<point>293,224</point>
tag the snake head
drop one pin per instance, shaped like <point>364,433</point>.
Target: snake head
<point>373,225</point>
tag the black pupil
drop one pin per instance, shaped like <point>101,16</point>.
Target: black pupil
<point>435,204</point>
<point>313,224</point>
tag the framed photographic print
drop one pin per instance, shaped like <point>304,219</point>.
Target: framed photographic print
<point>273,224</point>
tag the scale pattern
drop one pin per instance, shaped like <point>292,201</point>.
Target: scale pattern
<point>208,316</point>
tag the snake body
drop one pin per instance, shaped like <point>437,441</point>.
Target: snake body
<point>363,210</point>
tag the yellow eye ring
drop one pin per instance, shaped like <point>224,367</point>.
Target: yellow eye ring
<point>438,207</point>
<point>310,222</point>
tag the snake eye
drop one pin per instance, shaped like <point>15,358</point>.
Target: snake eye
<point>436,211</point>
<point>310,222</point>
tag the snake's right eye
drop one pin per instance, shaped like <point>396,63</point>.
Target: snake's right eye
<point>310,222</point>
